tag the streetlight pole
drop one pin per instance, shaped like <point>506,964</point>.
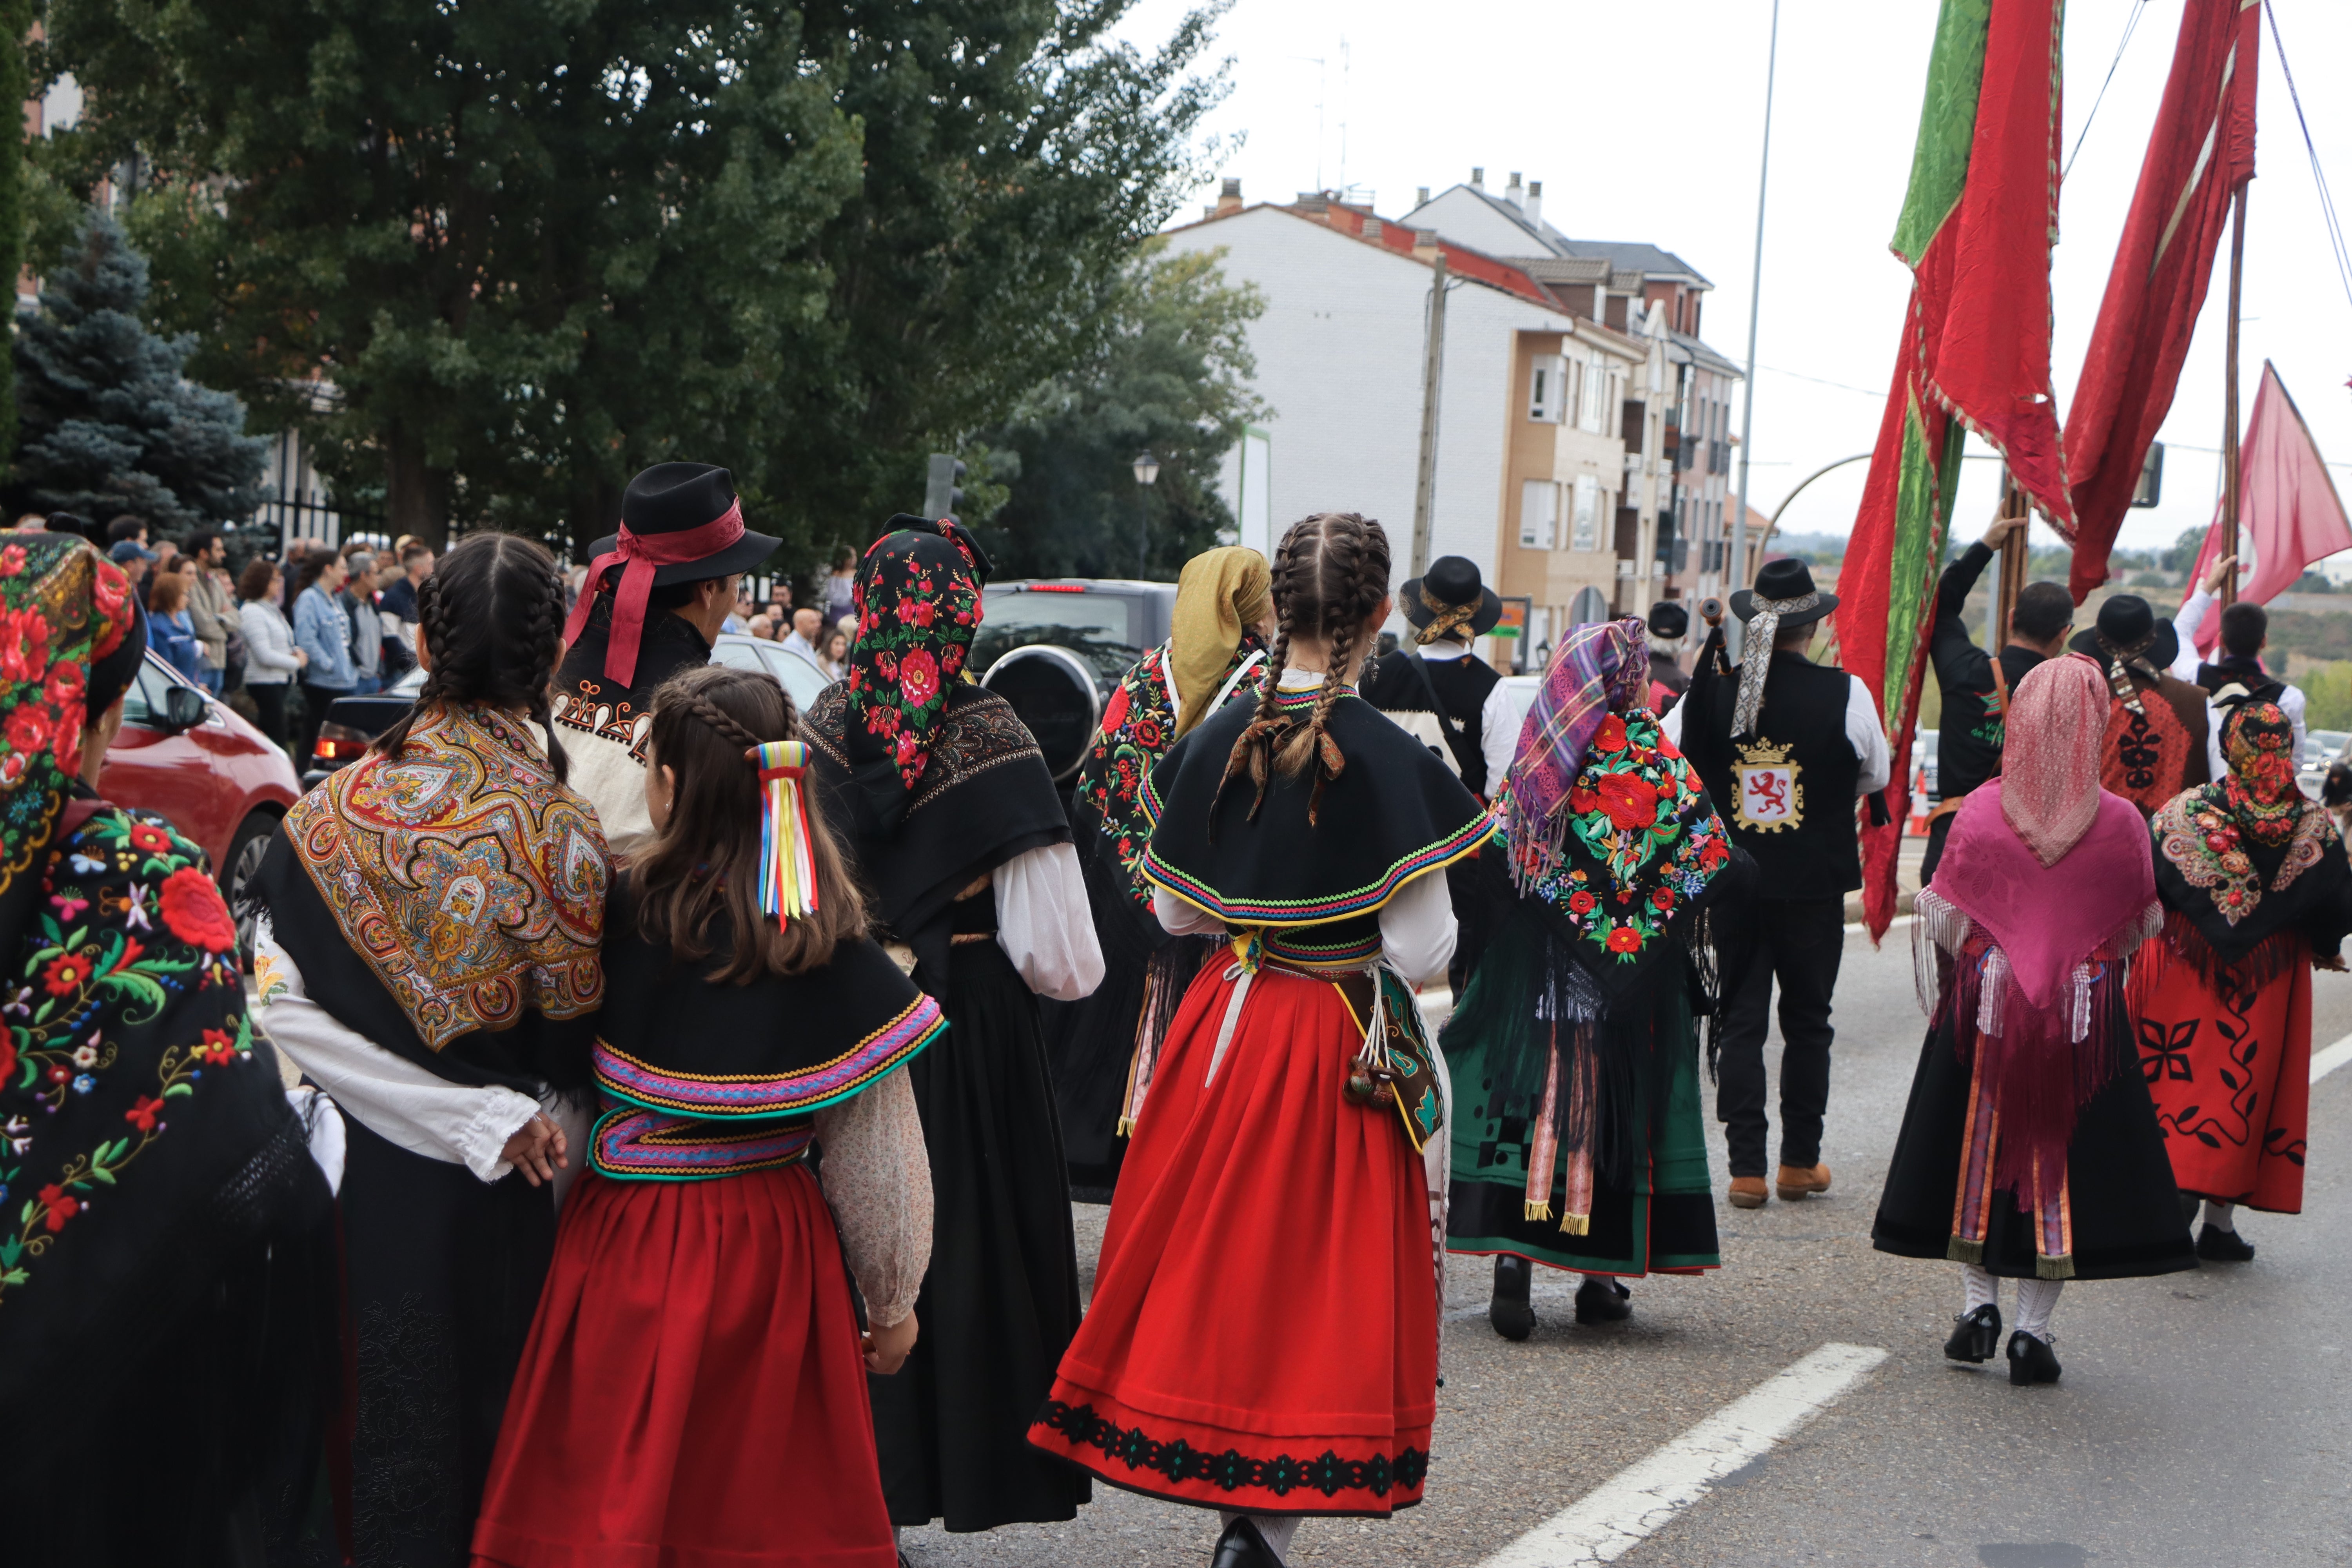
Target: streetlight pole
<point>1755,298</point>
<point>1146,470</point>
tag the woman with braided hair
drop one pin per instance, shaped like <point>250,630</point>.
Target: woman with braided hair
<point>697,1341</point>
<point>960,843</point>
<point>429,955</point>
<point>1287,1167</point>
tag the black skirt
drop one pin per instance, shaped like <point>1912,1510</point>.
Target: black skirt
<point>1001,1301</point>
<point>2126,1209</point>
<point>442,1277</point>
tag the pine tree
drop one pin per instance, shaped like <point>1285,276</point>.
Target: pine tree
<point>108,422</point>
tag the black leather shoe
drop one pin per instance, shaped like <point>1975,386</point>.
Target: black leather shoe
<point>1603,1302</point>
<point>2032,1359</point>
<point>1241,1546</point>
<point>1511,1313</point>
<point>2223,1246</point>
<point>1974,1335</point>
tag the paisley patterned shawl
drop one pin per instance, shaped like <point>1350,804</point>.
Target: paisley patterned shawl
<point>1138,725</point>
<point>469,881</point>
<point>2242,860</point>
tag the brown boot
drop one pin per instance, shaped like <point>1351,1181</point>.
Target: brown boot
<point>1748,1192</point>
<point>1795,1184</point>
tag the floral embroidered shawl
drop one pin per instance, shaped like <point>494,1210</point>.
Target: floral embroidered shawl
<point>468,882</point>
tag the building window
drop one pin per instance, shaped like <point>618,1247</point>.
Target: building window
<point>1539,515</point>
<point>1596,387</point>
<point>1586,534</point>
<point>1546,393</point>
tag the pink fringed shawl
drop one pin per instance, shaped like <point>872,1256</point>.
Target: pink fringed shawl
<point>2039,941</point>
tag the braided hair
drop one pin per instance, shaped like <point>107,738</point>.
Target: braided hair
<point>491,619</point>
<point>705,861</point>
<point>1330,574</point>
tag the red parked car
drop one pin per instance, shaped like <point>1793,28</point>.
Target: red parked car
<point>198,763</point>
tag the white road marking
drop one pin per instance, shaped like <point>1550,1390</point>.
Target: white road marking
<point>2333,1057</point>
<point>1639,1501</point>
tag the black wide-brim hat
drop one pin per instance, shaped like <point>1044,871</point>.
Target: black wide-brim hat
<point>2123,621</point>
<point>1451,583</point>
<point>1787,582</point>
<point>677,498</point>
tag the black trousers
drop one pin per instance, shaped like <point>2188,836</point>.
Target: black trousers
<point>270,698</point>
<point>1799,942</point>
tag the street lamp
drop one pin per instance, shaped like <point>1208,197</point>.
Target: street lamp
<point>1146,470</point>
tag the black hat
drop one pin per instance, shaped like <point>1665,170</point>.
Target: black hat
<point>1668,619</point>
<point>2126,620</point>
<point>1786,584</point>
<point>678,498</point>
<point>1451,595</point>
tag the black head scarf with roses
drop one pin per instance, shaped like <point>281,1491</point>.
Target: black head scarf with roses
<point>917,602</point>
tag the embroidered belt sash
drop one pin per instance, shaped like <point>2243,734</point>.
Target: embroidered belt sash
<point>631,1144</point>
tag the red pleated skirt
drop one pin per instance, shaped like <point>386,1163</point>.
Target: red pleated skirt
<point>2228,1063</point>
<point>1263,1336</point>
<point>693,1394</point>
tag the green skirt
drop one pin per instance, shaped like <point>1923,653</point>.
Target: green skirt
<point>1663,1222</point>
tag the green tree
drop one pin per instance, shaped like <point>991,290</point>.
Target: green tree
<point>108,421</point>
<point>1170,376</point>
<point>536,244</point>
<point>16,85</point>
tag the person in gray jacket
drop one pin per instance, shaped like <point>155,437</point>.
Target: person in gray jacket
<point>272,662</point>
<point>211,606</point>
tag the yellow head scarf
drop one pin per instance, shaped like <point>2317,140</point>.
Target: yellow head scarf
<point>1220,592</point>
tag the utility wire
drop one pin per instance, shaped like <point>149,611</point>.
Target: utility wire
<point>2137,7</point>
<point>2326,201</point>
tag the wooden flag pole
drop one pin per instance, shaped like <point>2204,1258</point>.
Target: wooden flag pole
<point>2229,592</point>
<point>2012,560</point>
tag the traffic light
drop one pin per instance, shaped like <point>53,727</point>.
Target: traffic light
<point>943,491</point>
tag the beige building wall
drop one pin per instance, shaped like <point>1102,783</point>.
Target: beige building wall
<point>1564,476</point>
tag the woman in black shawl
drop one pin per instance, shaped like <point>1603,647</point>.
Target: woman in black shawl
<point>163,1309</point>
<point>951,816</point>
<point>431,955</point>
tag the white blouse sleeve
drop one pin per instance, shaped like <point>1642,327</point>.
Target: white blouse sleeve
<point>1044,924</point>
<point>1178,918</point>
<point>876,1175</point>
<point>388,1095</point>
<point>1498,737</point>
<point>1417,928</point>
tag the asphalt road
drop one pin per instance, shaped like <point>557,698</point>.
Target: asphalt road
<point>2202,1418</point>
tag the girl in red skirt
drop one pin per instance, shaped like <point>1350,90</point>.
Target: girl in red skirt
<point>1263,1338</point>
<point>697,1346</point>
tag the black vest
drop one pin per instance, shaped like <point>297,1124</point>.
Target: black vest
<point>2236,669</point>
<point>1462,685</point>
<point>1786,795</point>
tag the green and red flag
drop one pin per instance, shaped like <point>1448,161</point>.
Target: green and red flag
<point>1978,223</point>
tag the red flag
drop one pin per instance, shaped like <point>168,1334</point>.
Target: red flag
<point>2201,151</point>
<point>1978,222</point>
<point>2289,514</point>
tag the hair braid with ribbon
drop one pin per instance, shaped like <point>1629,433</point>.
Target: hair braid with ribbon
<point>1330,574</point>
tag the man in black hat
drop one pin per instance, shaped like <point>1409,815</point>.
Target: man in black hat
<point>1669,623</point>
<point>657,593</point>
<point>1786,747</point>
<point>1975,684</point>
<point>1454,703</point>
<point>2155,743</point>
<point>1437,677</point>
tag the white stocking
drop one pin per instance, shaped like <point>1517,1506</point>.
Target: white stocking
<point>1276,1527</point>
<point>1982,1288</point>
<point>2222,1217</point>
<point>2035,1299</point>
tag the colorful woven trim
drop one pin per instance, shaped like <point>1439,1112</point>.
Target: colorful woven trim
<point>1342,955</point>
<point>629,1144</point>
<point>736,1096</point>
<point>1465,840</point>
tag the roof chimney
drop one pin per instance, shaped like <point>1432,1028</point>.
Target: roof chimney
<point>1421,196</point>
<point>1479,179</point>
<point>1512,193</point>
<point>1424,245</point>
<point>1229,195</point>
<point>1535,202</point>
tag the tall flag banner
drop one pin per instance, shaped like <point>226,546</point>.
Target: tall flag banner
<point>2288,511</point>
<point>1977,226</point>
<point>2201,151</point>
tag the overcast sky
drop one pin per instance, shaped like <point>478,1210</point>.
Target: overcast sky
<point>1644,124</point>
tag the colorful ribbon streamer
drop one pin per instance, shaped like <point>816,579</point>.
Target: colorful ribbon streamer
<point>787,869</point>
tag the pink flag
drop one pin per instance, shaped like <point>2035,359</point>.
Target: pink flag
<point>2288,512</point>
